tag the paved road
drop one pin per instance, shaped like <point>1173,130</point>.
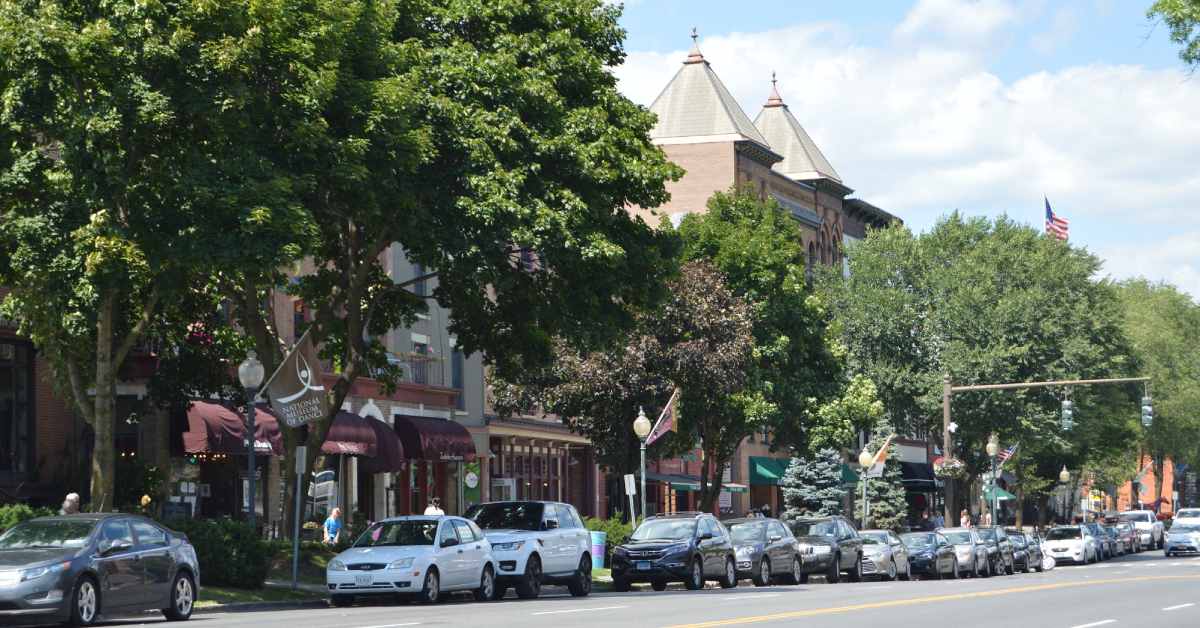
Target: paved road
<point>1143,590</point>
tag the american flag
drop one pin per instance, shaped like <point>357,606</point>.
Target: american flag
<point>1007,453</point>
<point>1055,225</point>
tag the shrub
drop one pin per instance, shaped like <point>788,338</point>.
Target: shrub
<point>12,514</point>
<point>617,530</point>
<point>229,552</point>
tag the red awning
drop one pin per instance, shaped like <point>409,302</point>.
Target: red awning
<point>351,435</point>
<point>389,452</point>
<point>426,438</point>
<point>213,428</point>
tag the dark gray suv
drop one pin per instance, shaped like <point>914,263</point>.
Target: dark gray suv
<point>688,546</point>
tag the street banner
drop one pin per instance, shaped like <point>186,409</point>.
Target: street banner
<point>881,456</point>
<point>666,420</point>
<point>294,388</point>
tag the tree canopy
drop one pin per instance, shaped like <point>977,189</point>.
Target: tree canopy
<point>1182,17</point>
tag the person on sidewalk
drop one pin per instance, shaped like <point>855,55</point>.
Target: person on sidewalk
<point>434,509</point>
<point>964,518</point>
<point>70,505</point>
<point>333,527</point>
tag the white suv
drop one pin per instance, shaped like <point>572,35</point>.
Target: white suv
<point>1148,528</point>
<point>536,543</point>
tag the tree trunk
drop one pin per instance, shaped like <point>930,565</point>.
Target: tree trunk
<point>710,489</point>
<point>1043,502</point>
<point>103,454</point>
<point>1020,505</point>
<point>1160,463</point>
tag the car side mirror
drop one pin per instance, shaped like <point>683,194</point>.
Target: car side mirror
<point>550,524</point>
<point>706,536</point>
<point>775,538</point>
<point>449,542</point>
<point>109,547</point>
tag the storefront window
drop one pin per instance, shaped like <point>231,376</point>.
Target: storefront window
<point>16,407</point>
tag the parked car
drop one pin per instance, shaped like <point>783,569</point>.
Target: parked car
<point>1071,544</point>
<point>931,555</point>
<point>1149,528</point>
<point>1027,553</point>
<point>1129,537</point>
<point>1183,538</point>
<point>836,546</point>
<point>1000,549</point>
<point>75,568</point>
<point>1187,515</point>
<point>536,543</point>
<point>1118,543</point>
<point>690,547</point>
<point>1104,544</point>
<point>971,550</point>
<point>885,555</point>
<point>766,551</point>
<point>414,555</point>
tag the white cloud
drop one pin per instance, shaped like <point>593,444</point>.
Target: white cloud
<point>1176,261</point>
<point>961,20</point>
<point>925,129</point>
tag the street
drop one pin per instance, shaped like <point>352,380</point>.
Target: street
<point>1145,589</point>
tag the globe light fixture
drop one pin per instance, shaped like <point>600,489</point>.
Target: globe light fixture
<point>250,371</point>
<point>1064,476</point>
<point>993,445</point>
<point>865,458</point>
<point>641,428</point>
<point>250,374</point>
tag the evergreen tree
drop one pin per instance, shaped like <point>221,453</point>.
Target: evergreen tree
<point>812,487</point>
<point>889,508</point>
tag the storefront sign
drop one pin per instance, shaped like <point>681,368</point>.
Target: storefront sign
<point>296,395</point>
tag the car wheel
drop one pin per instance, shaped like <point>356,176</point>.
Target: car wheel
<point>341,601</point>
<point>487,585</point>
<point>659,585</point>
<point>907,571</point>
<point>763,577</point>
<point>581,583</point>
<point>695,581</point>
<point>183,598</point>
<point>891,572</point>
<point>499,591</point>
<point>835,570</point>
<point>796,575</point>
<point>729,580</point>
<point>975,568</point>
<point>431,592</point>
<point>620,585</point>
<point>856,571</point>
<point>1038,565</point>
<point>530,584</point>
<point>954,569</point>
<point>803,578</point>
<point>85,602</point>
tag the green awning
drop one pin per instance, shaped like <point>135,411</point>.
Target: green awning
<point>849,477</point>
<point>765,470</point>
<point>1001,494</point>
<point>691,482</point>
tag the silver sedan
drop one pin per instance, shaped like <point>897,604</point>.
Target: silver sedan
<point>884,555</point>
<point>971,551</point>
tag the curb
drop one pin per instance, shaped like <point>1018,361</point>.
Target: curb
<point>250,607</point>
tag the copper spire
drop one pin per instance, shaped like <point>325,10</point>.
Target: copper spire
<point>694,56</point>
<point>774,100</point>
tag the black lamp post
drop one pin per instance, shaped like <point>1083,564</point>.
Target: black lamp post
<point>250,373</point>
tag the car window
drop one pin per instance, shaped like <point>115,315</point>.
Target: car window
<point>707,527</point>
<point>550,513</point>
<point>149,534</point>
<point>748,532</point>
<point>1062,534</point>
<point>566,517</point>
<point>1188,513</point>
<point>475,529</point>
<point>116,530</point>
<point>447,533</point>
<point>958,537</point>
<point>1136,517</point>
<point>507,515</point>
<point>778,529</point>
<point>847,531</point>
<point>47,533</point>
<point>465,534</point>
<point>399,533</point>
<point>817,528</point>
<point>665,530</point>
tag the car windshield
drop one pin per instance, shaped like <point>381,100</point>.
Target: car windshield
<point>507,516</point>
<point>1017,540</point>
<point>47,533</point>
<point>411,532</point>
<point>1185,527</point>
<point>665,530</point>
<point>1137,517</point>
<point>874,538</point>
<point>1062,534</point>
<point>918,540</point>
<point>748,532</point>
<point>816,528</point>
<point>1188,513</point>
<point>960,537</point>
<point>987,534</point>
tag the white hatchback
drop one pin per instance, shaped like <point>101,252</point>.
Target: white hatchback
<point>1187,515</point>
<point>422,556</point>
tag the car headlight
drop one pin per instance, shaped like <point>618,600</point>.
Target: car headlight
<point>41,572</point>
<point>617,551</point>
<point>403,563</point>
<point>821,549</point>
<point>336,565</point>
<point>511,546</point>
<point>679,548</point>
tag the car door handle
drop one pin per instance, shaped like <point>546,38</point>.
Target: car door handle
<point>478,547</point>
<point>460,551</point>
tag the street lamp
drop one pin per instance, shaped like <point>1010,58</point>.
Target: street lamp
<point>864,461</point>
<point>250,373</point>
<point>641,427</point>
<point>993,448</point>
<point>1064,476</point>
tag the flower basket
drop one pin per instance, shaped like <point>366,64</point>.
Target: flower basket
<point>949,469</point>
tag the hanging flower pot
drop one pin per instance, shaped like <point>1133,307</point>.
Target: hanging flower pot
<point>949,468</point>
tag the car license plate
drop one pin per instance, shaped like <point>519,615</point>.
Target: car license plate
<point>643,565</point>
<point>1060,549</point>
<point>363,580</point>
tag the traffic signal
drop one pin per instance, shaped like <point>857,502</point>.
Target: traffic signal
<point>1147,411</point>
<point>1068,414</point>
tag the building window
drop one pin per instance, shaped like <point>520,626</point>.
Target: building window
<point>16,407</point>
<point>419,287</point>
<point>456,377</point>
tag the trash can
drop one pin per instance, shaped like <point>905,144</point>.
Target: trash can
<point>599,542</point>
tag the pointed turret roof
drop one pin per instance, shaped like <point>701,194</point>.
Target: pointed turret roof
<point>695,106</point>
<point>802,160</point>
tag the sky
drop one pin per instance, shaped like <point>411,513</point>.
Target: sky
<point>983,106</point>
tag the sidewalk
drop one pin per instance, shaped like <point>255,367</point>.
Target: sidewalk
<point>315,589</point>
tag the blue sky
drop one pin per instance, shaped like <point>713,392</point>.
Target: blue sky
<point>926,106</point>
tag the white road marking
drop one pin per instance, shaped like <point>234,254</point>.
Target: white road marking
<point>411,623</point>
<point>1096,623</point>
<point>752,596</point>
<point>1178,606</point>
<point>581,610</point>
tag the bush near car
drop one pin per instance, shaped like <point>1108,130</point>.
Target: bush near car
<point>618,533</point>
<point>229,551</point>
<point>12,514</point>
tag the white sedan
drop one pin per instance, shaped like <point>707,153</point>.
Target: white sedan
<point>422,556</point>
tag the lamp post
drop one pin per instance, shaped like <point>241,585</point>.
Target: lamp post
<point>641,427</point>
<point>1064,476</point>
<point>993,448</point>
<point>250,373</point>
<point>864,461</point>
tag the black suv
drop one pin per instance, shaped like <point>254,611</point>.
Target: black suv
<point>1000,550</point>
<point>690,546</point>
<point>836,546</point>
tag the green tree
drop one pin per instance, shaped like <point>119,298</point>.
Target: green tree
<point>1182,17</point>
<point>888,502</point>
<point>812,486</point>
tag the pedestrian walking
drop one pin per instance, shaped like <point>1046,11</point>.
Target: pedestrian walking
<point>434,509</point>
<point>964,518</point>
<point>939,521</point>
<point>70,505</point>
<point>985,519</point>
<point>333,527</point>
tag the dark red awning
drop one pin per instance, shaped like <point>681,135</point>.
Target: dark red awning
<point>214,428</point>
<point>350,435</point>
<point>426,438</point>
